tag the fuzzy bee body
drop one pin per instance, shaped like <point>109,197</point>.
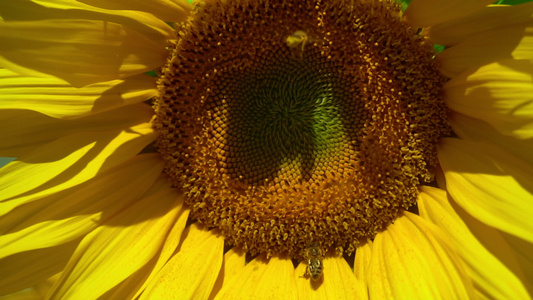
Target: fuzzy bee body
<point>297,42</point>
<point>297,38</point>
<point>314,257</point>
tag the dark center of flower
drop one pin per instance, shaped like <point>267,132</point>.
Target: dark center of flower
<point>290,123</point>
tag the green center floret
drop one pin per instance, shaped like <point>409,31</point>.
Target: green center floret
<point>282,114</point>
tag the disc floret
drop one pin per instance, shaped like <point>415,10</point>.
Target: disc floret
<point>288,123</point>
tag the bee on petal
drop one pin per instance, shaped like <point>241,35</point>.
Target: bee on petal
<point>314,257</point>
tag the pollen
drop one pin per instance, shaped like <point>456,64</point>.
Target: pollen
<point>290,123</point>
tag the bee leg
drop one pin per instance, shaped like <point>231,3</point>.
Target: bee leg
<point>306,274</point>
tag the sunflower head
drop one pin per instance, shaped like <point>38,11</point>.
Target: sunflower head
<point>289,124</point>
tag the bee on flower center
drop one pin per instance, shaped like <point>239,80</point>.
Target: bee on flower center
<point>297,39</point>
<point>314,262</point>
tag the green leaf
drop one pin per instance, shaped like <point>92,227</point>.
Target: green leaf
<point>5,160</point>
<point>512,2</point>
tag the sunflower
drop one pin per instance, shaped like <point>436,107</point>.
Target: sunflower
<point>266,149</point>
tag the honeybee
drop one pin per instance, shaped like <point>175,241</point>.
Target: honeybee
<point>314,261</point>
<point>296,39</point>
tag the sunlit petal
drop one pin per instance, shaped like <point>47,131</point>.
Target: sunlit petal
<point>29,130</point>
<point>193,270</point>
<point>511,251</point>
<point>413,259</point>
<point>361,263</point>
<point>338,282</point>
<point>171,244</point>
<point>267,279</point>
<point>58,99</point>
<point>234,262</point>
<point>167,10</point>
<point>124,244</point>
<point>491,184</point>
<point>44,172</point>
<point>145,23</point>
<point>69,215</point>
<point>476,130</point>
<point>30,268</point>
<point>480,263</point>
<point>500,94</point>
<point>79,51</point>
<point>513,42</point>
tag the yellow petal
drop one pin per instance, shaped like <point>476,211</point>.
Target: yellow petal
<point>479,131</point>
<point>127,288</point>
<point>58,99</point>
<point>508,249</point>
<point>44,172</point>
<point>523,250</point>
<point>79,51</point>
<point>69,215</point>
<point>512,42</point>
<point>142,22</point>
<point>499,94</point>
<point>425,13</point>
<point>135,284</point>
<point>262,279</point>
<point>413,259</point>
<point>490,184</point>
<point>167,10</point>
<point>233,263</point>
<point>489,18</point>
<point>193,270</point>
<point>114,251</point>
<point>481,264</point>
<point>29,130</point>
<point>169,248</point>
<point>338,282</point>
<point>439,177</point>
<point>23,270</point>
<point>362,261</point>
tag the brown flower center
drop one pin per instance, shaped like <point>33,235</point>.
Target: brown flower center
<point>290,123</point>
